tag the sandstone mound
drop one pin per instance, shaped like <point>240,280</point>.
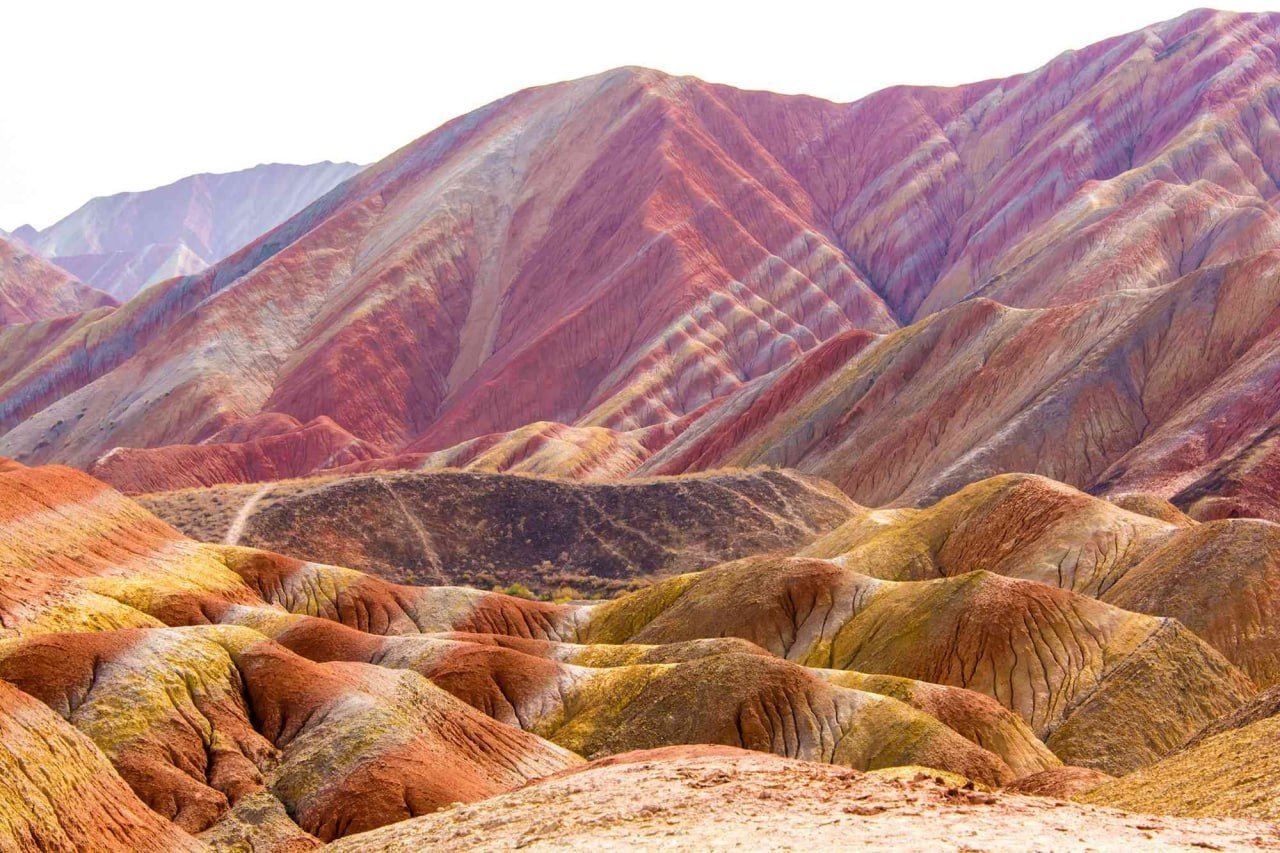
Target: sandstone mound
<point>234,688</point>
<point>371,604</point>
<point>1096,683</point>
<point>631,697</point>
<point>722,799</point>
<point>364,746</point>
<point>165,705</point>
<point>199,719</point>
<point>974,715</point>
<point>1018,525</point>
<point>1220,580</point>
<point>1214,577</point>
<point>493,529</point>
<point>59,793</point>
<point>1233,773</point>
<point>1152,506</point>
<point>762,704</point>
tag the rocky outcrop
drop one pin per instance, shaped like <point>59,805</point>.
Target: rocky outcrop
<point>1220,580</point>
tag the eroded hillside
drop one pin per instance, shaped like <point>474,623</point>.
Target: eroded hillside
<point>244,694</point>
<point>1070,272</point>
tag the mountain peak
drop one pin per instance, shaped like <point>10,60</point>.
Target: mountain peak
<point>125,242</point>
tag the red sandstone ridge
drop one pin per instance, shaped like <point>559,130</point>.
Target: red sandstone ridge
<point>635,261</point>
<point>414,311</point>
<point>266,447</point>
<point>1171,390</point>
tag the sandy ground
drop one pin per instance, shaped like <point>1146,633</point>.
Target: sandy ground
<point>722,799</point>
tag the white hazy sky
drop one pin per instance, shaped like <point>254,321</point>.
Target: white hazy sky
<point>101,97</point>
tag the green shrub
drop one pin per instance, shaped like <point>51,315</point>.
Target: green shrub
<point>519,590</point>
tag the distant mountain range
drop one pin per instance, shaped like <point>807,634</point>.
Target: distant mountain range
<point>123,243</point>
<point>33,289</point>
